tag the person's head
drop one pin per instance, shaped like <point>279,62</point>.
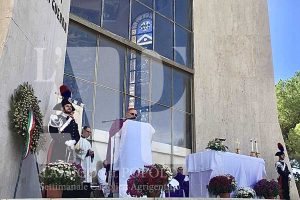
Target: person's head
<point>67,106</point>
<point>131,113</point>
<point>104,163</point>
<point>86,132</point>
<point>180,170</point>
<point>280,155</point>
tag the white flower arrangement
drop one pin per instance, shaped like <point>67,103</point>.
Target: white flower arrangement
<point>217,145</point>
<point>245,192</point>
<point>61,173</point>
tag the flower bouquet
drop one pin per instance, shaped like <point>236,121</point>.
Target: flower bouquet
<point>220,185</point>
<point>217,145</point>
<point>267,189</point>
<point>149,181</point>
<point>59,176</point>
<point>245,192</point>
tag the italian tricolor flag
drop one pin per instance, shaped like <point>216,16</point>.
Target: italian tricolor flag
<point>29,133</point>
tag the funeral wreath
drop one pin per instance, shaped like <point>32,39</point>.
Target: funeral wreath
<point>26,117</point>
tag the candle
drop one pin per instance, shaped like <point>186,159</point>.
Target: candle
<point>256,148</point>
<point>237,143</point>
<point>251,140</point>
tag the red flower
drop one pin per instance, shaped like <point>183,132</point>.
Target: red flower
<point>152,178</point>
<point>221,184</point>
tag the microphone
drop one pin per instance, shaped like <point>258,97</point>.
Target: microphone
<point>106,121</point>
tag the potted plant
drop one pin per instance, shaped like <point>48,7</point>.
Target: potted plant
<point>217,145</point>
<point>59,176</point>
<point>222,185</point>
<point>149,181</point>
<point>245,192</point>
<point>267,189</point>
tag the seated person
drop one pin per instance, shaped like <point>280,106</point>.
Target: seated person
<point>183,189</point>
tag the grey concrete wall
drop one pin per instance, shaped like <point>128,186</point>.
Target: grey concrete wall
<point>5,18</point>
<point>28,29</point>
<point>234,78</point>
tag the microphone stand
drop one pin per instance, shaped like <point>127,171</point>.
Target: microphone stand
<point>113,158</point>
<point>106,121</point>
<point>112,171</point>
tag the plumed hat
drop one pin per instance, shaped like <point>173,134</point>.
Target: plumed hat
<point>66,96</point>
<point>65,92</point>
<point>281,150</point>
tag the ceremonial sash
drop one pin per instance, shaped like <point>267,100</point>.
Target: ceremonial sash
<point>62,128</point>
<point>29,133</point>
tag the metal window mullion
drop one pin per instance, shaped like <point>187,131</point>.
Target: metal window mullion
<point>102,13</point>
<point>124,81</point>
<point>145,4</point>
<point>150,89</point>
<point>153,24</point>
<point>172,113</point>
<point>193,127</point>
<point>95,81</point>
<point>130,13</point>
<point>174,31</point>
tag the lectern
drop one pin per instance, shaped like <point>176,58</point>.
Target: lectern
<point>131,150</point>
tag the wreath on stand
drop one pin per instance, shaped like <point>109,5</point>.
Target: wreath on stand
<point>26,117</point>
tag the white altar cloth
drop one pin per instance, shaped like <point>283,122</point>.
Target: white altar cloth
<point>205,165</point>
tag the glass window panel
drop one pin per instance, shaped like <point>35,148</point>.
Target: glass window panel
<point>116,17</point>
<point>165,7</point>
<point>163,45</point>
<point>161,84</point>
<point>140,105</point>
<point>182,135</point>
<point>138,75</point>
<point>161,122</point>
<point>183,13</point>
<point>111,64</point>
<point>83,92</point>
<point>181,91</point>
<point>87,118</point>
<point>141,25</point>
<point>147,2</point>
<point>109,106</point>
<point>182,46</point>
<point>89,10</point>
<point>81,53</point>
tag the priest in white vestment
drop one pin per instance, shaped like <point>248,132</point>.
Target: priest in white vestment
<point>131,150</point>
<point>84,157</point>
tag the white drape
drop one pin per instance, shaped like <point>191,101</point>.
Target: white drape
<point>205,165</point>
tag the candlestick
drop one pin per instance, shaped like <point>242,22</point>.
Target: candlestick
<point>256,147</point>
<point>237,143</point>
<point>252,149</point>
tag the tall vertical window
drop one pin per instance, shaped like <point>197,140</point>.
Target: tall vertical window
<point>108,75</point>
<point>146,23</point>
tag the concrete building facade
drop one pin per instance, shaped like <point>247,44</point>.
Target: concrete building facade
<point>195,70</point>
<point>32,49</point>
